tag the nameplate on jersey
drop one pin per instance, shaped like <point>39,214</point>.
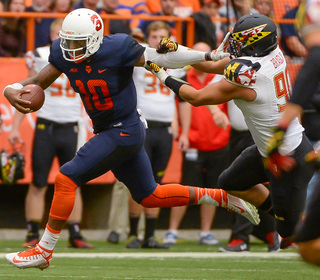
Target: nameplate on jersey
<point>242,72</point>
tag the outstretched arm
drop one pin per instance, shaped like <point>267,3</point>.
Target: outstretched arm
<point>215,93</point>
<point>212,67</point>
<point>178,56</point>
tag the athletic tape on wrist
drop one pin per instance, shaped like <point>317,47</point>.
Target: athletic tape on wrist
<point>14,86</point>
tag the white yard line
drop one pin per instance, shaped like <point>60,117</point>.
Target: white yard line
<point>197,255</point>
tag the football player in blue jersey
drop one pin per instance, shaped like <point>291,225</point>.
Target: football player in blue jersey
<point>100,69</point>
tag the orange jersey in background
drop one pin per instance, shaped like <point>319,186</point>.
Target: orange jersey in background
<point>133,7</point>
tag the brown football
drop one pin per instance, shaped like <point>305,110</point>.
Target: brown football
<point>36,96</point>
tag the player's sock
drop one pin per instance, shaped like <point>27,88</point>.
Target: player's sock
<point>74,230</point>
<point>171,195</point>
<point>134,220</point>
<point>150,227</point>
<point>49,240</point>
<point>168,195</point>
<point>216,197</point>
<point>33,227</point>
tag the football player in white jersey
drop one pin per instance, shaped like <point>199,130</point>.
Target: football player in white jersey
<point>305,90</point>
<point>257,80</point>
<point>56,134</point>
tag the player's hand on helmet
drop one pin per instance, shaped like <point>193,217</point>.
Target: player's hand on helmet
<point>222,51</point>
<point>167,45</point>
<point>14,97</point>
<point>159,72</point>
<point>276,162</point>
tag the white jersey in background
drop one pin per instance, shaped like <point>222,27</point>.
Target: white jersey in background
<point>269,78</point>
<point>61,104</point>
<point>156,101</point>
<point>236,117</point>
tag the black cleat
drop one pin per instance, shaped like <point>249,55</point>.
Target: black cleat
<point>152,243</point>
<point>113,237</point>
<point>236,246</point>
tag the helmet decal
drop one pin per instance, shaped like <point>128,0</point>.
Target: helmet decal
<point>251,35</point>
<point>96,21</point>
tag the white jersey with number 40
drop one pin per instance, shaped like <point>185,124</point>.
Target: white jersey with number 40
<point>61,104</point>
<point>268,77</point>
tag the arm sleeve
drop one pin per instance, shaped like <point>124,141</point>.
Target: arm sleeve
<point>182,57</point>
<point>307,80</point>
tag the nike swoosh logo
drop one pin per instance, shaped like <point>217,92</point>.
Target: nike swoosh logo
<point>101,71</point>
<point>17,261</point>
<point>124,134</point>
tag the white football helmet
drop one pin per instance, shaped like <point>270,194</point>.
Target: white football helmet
<point>81,34</point>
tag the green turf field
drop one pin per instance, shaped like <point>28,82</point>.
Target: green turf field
<point>186,260</point>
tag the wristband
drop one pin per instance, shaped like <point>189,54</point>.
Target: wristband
<point>175,84</point>
<point>14,86</point>
<point>207,56</point>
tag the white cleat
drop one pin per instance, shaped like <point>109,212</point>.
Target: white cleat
<point>33,257</point>
<point>244,208</point>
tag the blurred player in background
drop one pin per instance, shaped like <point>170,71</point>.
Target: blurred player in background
<point>100,68</point>
<point>206,157</point>
<point>56,134</point>
<point>157,103</point>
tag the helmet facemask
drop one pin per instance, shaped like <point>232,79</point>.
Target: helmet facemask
<point>234,47</point>
<point>76,48</point>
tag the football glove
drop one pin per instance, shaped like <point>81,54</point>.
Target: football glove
<point>275,162</point>
<point>167,45</point>
<point>221,51</point>
<point>159,72</point>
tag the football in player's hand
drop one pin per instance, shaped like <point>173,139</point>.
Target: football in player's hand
<point>35,96</point>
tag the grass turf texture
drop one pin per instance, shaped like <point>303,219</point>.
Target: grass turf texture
<point>108,261</point>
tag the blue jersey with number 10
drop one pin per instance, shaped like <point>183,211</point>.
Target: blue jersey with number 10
<point>104,80</point>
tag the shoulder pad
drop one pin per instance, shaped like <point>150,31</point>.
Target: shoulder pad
<point>242,71</point>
